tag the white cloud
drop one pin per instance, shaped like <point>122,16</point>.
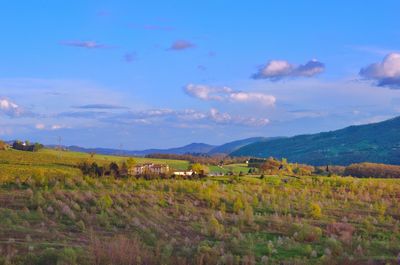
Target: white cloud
<point>278,69</point>
<point>205,92</point>
<point>264,99</point>
<point>40,126</point>
<point>385,73</point>
<point>57,127</point>
<point>10,108</point>
<point>226,118</point>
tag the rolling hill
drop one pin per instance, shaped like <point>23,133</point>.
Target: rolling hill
<point>377,142</point>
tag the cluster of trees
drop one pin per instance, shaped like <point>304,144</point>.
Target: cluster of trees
<point>112,169</point>
<point>27,146</point>
<point>214,160</point>
<point>366,170</point>
<point>199,169</point>
<point>273,166</point>
<point>122,170</point>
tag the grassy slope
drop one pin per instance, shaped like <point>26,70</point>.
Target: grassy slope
<point>18,163</point>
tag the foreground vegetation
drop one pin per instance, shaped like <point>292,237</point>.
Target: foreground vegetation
<point>51,214</point>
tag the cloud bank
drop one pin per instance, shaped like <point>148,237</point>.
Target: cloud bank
<point>100,106</point>
<point>279,69</point>
<point>186,116</point>
<point>385,73</point>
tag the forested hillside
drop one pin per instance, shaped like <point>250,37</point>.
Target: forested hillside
<point>378,142</point>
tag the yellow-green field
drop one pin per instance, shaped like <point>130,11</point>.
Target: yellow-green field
<point>51,214</point>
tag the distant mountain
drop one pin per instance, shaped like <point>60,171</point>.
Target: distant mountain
<point>194,148</point>
<point>377,142</point>
<point>235,145</point>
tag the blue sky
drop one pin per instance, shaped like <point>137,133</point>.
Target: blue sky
<point>168,73</point>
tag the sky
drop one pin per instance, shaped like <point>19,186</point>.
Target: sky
<point>158,74</point>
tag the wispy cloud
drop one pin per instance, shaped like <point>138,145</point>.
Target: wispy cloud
<point>181,45</point>
<point>385,73</point>
<point>158,27</point>
<point>205,92</point>
<point>93,115</point>
<point>279,69</point>
<point>85,44</point>
<point>371,49</point>
<point>152,27</point>
<point>176,117</point>
<point>226,118</point>
<point>51,127</point>
<point>100,106</point>
<point>201,67</point>
<point>130,57</point>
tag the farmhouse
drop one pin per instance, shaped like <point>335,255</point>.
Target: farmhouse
<point>148,168</point>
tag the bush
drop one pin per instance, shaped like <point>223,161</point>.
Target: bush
<point>343,231</point>
<point>120,251</point>
<point>314,210</point>
<point>305,232</point>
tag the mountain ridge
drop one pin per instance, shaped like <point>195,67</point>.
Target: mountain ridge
<point>374,142</point>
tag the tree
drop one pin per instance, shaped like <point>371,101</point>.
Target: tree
<point>199,169</point>
<point>114,169</point>
<point>37,147</point>
<point>124,169</point>
<point>314,210</point>
<point>271,166</point>
<point>130,162</point>
<point>237,205</point>
<point>95,170</point>
<point>3,145</point>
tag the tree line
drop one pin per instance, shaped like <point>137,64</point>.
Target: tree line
<point>372,170</point>
<point>214,160</point>
<point>27,146</point>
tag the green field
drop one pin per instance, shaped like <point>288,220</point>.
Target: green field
<point>51,214</point>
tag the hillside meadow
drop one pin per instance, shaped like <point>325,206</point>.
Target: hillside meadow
<point>51,214</point>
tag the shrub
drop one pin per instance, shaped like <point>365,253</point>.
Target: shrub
<point>305,232</point>
<point>237,205</point>
<point>120,251</point>
<point>105,202</point>
<point>214,227</point>
<point>343,231</point>
<point>334,246</point>
<point>67,257</point>
<point>314,210</point>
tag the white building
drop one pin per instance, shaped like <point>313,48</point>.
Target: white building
<point>148,168</point>
<point>186,173</point>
